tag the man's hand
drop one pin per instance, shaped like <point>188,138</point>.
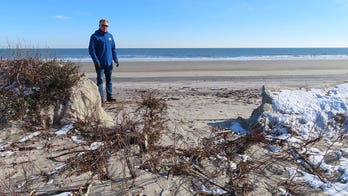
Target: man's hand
<point>117,64</point>
<point>98,66</point>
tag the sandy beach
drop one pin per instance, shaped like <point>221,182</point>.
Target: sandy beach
<point>237,74</point>
<point>205,93</point>
<point>200,95</point>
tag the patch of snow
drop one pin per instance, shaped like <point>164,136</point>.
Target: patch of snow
<point>95,145</point>
<point>299,116</point>
<point>6,153</point>
<point>185,158</point>
<point>28,137</point>
<point>56,170</point>
<point>233,165</point>
<point>50,181</point>
<point>219,141</point>
<point>244,157</point>
<point>222,157</point>
<point>299,175</point>
<point>308,113</point>
<point>65,129</point>
<point>76,140</point>
<point>39,147</point>
<point>213,191</point>
<point>318,160</point>
<point>336,189</point>
<point>65,194</point>
<point>4,146</point>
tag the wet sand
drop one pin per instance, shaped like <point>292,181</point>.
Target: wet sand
<point>240,74</point>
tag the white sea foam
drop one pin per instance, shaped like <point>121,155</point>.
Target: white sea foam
<point>240,58</point>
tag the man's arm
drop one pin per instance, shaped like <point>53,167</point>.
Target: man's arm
<point>91,50</point>
<point>114,53</point>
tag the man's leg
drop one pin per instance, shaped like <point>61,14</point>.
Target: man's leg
<point>100,75</point>
<point>108,81</point>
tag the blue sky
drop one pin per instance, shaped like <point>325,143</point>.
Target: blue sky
<point>176,23</point>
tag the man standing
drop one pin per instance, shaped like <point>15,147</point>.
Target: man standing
<point>102,49</point>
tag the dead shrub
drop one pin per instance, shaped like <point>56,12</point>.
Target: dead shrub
<point>130,136</point>
<point>29,84</point>
<point>153,114</point>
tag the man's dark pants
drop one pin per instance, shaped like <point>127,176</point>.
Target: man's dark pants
<point>101,72</point>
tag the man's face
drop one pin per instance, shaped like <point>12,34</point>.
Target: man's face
<point>104,26</point>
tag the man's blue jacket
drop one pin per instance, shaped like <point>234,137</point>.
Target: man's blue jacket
<point>102,48</point>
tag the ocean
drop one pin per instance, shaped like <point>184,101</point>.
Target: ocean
<point>186,54</point>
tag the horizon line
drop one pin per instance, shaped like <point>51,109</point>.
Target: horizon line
<point>180,48</point>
